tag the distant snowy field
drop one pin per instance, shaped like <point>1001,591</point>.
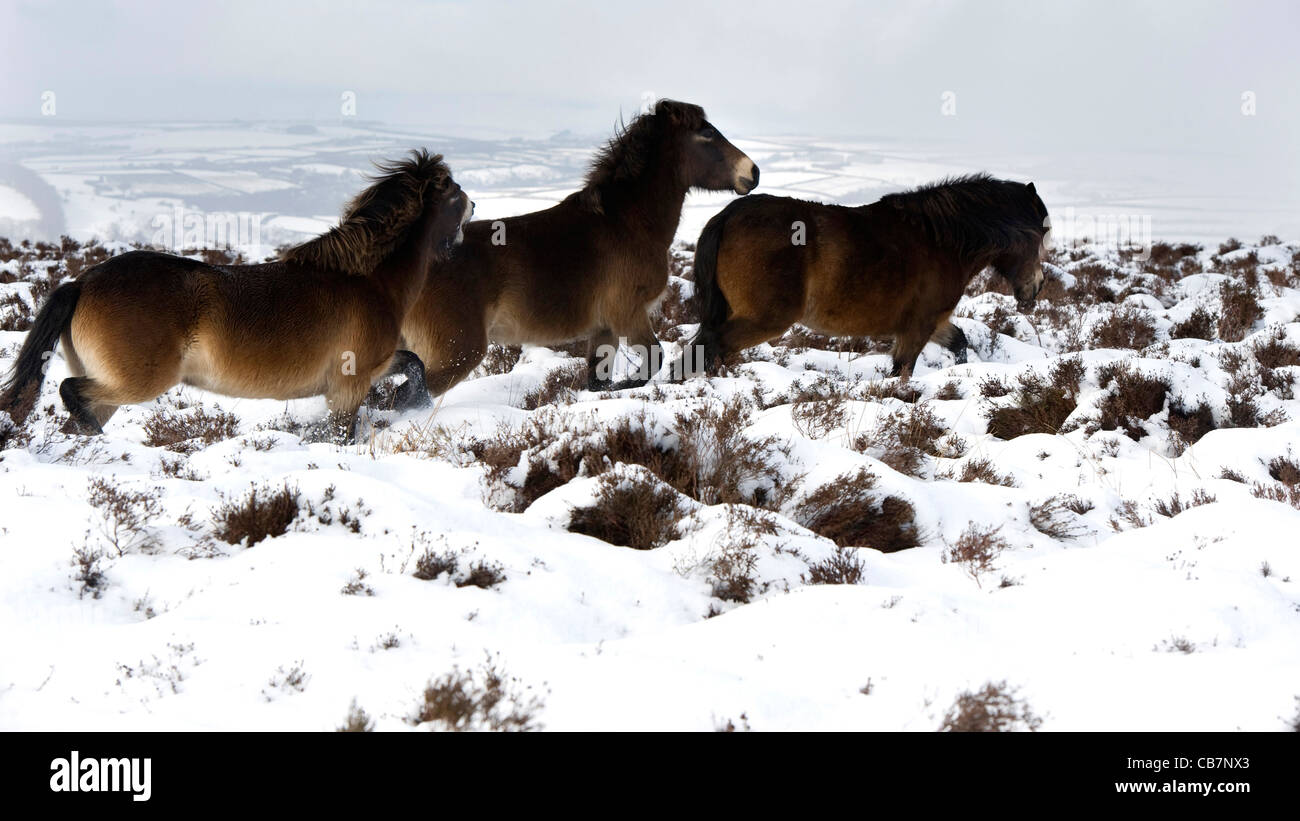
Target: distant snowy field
<point>1167,597</point>
<point>124,181</point>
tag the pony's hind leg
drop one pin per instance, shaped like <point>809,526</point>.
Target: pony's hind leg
<point>741,332</point>
<point>102,411</point>
<point>81,416</point>
<point>114,364</point>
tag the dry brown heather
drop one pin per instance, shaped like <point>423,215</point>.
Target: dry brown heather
<point>1056,517</point>
<point>850,513</point>
<point>1127,327</point>
<point>904,438</point>
<point>1038,405</point>
<point>263,513</point>
<point>485,699</point>
<point>844,566</point>
<point>637,511</point>
<point>560,387</point>
<point>188,430</point>
<point>992,709</point>
<point>1132,397</point>
<point>711,458</point>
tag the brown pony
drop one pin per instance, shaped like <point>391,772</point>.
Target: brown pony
<point>896,267</point>
<point>325,318</point>
<point>589,267</point>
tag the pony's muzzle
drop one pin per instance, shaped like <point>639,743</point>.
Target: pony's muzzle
<point>464,220</point>
<point>748,180</point>
<point>1025,302</point>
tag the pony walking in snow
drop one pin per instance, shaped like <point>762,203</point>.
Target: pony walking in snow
<point>325,319</point>
<point>896,267</point>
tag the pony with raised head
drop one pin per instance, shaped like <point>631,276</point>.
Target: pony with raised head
<point>324,319</point>
<point>590,267</point>
<point>896,267</point>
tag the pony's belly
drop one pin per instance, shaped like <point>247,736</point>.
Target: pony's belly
<point>247,377</point>
<point>513,329</point>
<point>254,390</point>
<point>852,318</point>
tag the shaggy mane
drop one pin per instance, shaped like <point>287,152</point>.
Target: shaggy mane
<point>625,156</point>
<point>377,220</point>
<point>974,211</point>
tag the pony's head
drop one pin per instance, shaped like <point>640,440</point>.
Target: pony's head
<point>676,133</point>
<point>1021,264</point>
<point>709,160</point>
<point>379,220</point>
<point>451,209</point>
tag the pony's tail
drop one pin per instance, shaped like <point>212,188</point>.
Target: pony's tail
<point>24,384</point>
<point>710,303</point>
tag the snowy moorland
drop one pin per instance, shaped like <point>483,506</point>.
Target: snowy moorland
<point>268,184</point>
<point>1091,525</point>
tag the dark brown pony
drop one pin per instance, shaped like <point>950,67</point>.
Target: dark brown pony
<point>324,319</point>
<point>587,268</point>
<point>896,267</point>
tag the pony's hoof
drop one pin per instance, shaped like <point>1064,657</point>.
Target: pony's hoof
<point>85,427</point>
<point>411,396</point>
<point>628,384</point>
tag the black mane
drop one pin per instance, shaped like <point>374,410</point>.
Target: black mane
<point>974,211</point>
<point>377,219</point>
<point>629,151</point>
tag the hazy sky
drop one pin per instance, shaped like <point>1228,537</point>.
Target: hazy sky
<point>1038,75</point>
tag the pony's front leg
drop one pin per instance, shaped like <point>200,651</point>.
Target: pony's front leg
<point>953,338</point>
<point>342,426</point>
<point>602,351</point>
<point>646,343</point>
<point>344,401</point>
<point>907,347</point>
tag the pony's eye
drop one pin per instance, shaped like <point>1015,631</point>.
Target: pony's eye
<point>709,133</point>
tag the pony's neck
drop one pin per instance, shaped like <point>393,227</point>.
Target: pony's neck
<point>649,205</point>
<point>401,277</point>
<point>970,244</point>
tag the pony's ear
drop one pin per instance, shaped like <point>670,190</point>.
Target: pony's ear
<point>679,113</point>
<point>670,109</point>
<point>1032,190</point>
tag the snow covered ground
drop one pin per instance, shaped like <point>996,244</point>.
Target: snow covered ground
<point>1119,616</point>
<point>1140,568</point>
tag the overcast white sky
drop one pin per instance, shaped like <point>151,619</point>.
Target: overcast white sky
<point>1042,76</point>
